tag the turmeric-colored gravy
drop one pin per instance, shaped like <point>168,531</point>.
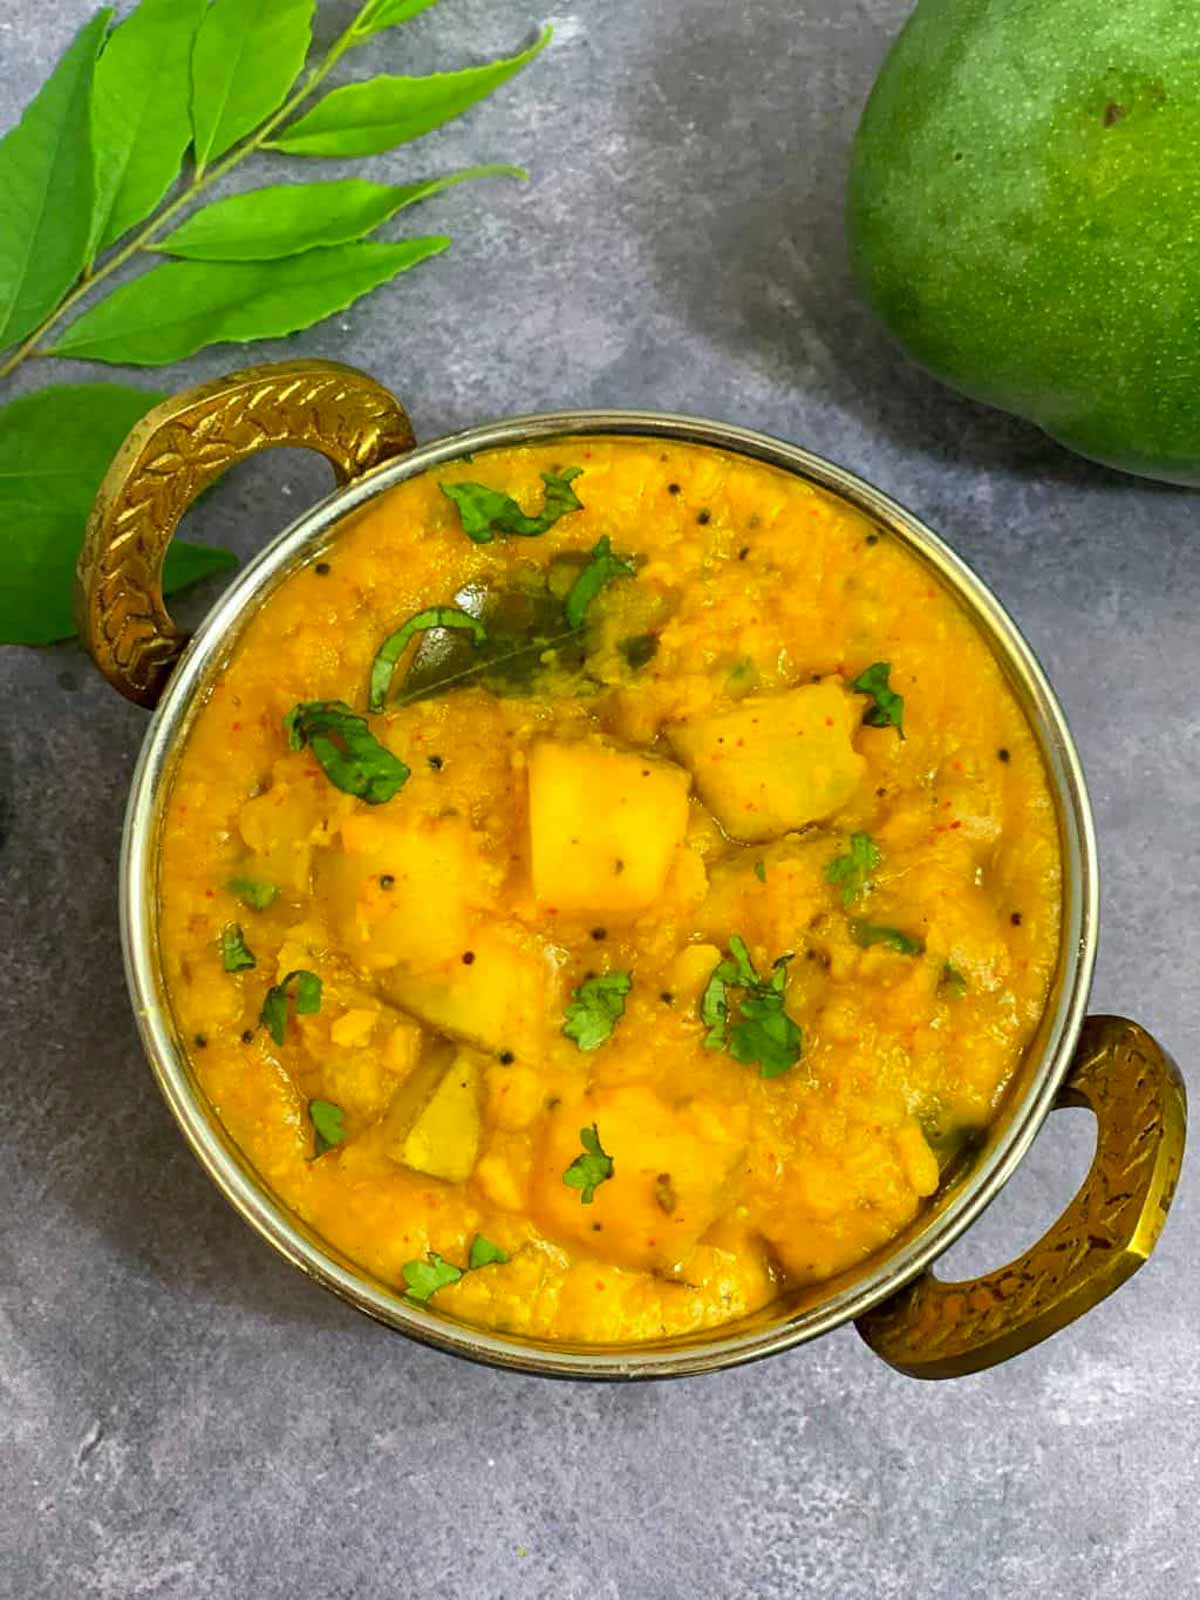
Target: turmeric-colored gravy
<point>715,911</point>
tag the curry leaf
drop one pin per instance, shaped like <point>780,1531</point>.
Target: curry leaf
<point>851,872</point>
<point>236,954</point>
<point>594,1167</point>
<point>55,447</point>
<point>887,707</point>
<point>425,1278</point>
<point>595,1009</point>
<point>484,1253</point>
<point>255,893</point>
<point>380,14</point>
<point>394,646</point>
<point>306,998</point>
<point>349,754</point>
<point>248,54</point>
<point>602,569</point>
<point>364,119</point>
<point>140,121</point>
<point>182,307</point>
<point>329,1127</point>
<point>266,224</point>
<point>485,512</point>
<point>866,934</point>
<point>47,189</point>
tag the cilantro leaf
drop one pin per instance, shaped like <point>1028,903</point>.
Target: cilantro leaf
<point>307,1000</point>
<point>485,512</point>
<point>484,1253</point>
<point>393,647</point>
<point>760,1030</point>
<point>350,755</point>
<point>425,1278</point>
<point>952,983</point>
<point>760,871</point>
<point>887,707</point>
<point>851,872</point>
<point>602,569</point>
<point>594,1167</point>
<point>596,1007</point>
<point>236,954</point>
<point>866,934</point>
<point>254,893</point>
<point>328,1123</point>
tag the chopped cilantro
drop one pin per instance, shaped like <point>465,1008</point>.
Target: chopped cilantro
<point>602,569</point>
<point>236,954</point>
<point>328,1125</point>
<point>484,1253</point>
<point>952,983</point>
<point>350,755</point>
<point>254,893</point>
<point>594,1167</point>
<point>393,647</point>
<point>851,872</point>
<point>307,1001</point>
<point>760,871</point>
<point>485,512</point>
<point>887,707</point>
<point>596,1007</point>
<point>425,1278</point>
<point>865,934</point>
<point>753,1026</point>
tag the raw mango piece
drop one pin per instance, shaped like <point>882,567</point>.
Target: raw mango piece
<point>604,826</point>
<point>498,1000</point>
<point>773,763</point>
<point>1022,215</point>
<point>401,890</point>
<point>671,1171</point>
<point>433,1125</point>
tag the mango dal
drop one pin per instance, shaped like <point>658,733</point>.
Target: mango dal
<point>606,887</point>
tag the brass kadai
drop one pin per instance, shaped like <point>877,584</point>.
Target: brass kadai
<point>912,1319</point>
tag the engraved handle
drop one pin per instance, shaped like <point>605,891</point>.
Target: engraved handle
<point>933,1329</point>
<point>172,455</point>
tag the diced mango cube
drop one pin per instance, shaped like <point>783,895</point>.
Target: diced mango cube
<point>400,889</point>
<point>433,1124</point>
<point>604,825</point>
<point>672,1167</point>
<point>773,763</point>
<point>497,1000</point>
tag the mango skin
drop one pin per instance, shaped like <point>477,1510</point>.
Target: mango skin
<point>1023,216</point>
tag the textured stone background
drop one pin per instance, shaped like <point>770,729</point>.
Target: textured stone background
<point>183,1416</point>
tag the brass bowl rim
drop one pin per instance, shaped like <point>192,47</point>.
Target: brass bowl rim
<point>249,1195</point>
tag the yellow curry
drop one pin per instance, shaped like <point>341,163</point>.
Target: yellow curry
<point>606,887</point>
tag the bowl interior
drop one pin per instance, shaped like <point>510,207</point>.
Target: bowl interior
<point>967,1187</point>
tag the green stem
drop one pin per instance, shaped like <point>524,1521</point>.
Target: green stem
<point>201,179</point>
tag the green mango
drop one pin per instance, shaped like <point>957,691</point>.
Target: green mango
<point>1024,215</point>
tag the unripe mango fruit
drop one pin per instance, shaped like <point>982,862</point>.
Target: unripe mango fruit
<point>1024,215</point>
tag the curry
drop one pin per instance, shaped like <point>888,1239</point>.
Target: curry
<point>607,887</point>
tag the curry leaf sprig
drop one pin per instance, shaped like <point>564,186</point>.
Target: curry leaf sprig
<point>745,1013</point>
<point>97,179</point>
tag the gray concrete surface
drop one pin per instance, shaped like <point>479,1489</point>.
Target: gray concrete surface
<point>183,1415</point>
